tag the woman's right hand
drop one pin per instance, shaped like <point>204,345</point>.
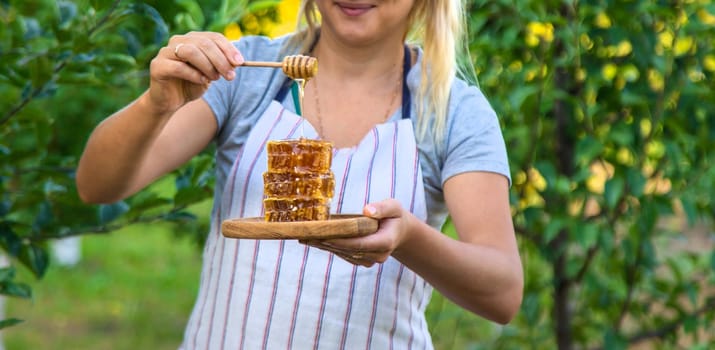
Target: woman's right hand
<point>183,69</point>
<point>154,135</point>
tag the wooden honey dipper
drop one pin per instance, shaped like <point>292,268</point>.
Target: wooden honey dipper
<point>294,66</point>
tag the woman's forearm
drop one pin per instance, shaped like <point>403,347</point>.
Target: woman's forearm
<point>115,152</point>
<point>479,278</point>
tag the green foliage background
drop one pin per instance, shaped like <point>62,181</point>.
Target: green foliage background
<point>607,113</point>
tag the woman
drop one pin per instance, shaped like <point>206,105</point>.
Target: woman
<point>413,144</point>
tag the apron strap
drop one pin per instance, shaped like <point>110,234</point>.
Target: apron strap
<point>406,98</point>
<point>290,85</point>
<point>281,95</point>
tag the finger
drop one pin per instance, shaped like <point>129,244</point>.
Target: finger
<point>174,69</point>
<point>217,55</point>
<point>178,66</point>
<point>193,55</point>
<point>235,57</point>
<point>222,53</point>
<point>362,258</point>
<point>389,208</point>
<point>356,260</point>
<point>370,243</point>
<point>360,255</point>
<point>356,254</point>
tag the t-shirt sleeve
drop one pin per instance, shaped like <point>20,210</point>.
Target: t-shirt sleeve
<point>218,97</point>
<point>474,138</point>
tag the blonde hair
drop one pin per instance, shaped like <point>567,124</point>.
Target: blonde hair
<point>438,26</point>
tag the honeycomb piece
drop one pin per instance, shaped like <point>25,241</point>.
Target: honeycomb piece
<point>287,209</point>
<point>298,184</point>
<point>299,155</point>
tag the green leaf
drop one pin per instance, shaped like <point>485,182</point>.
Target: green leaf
<point>649,257</point>
<point>185,21</point>
<point>68,12</point>
<point>189,195</point>
<point>81,79</point>
<point>631,98</point>
<point>116,61</point>
<point>548,171</point>
<point>181,216</point>
<point>552,229</point>
<point>692,292</point>
<point>161,29</point>
<point>7,274</point>
<point>146,201</point>
<point>521,94</point>
<point>587,149</point>
<point>109,212</point>
<point>614,341</point>
<point>183,179</point>
<point>193,16</point>
<point>9,322</point>
<point>531,308</point>
<point>230,11</point>
<point>449,229</point>
<point>43,217</point>
<point>9,240</point>
<point>562,185</point>
<point>202,170</point>
<point>586,235</point>
<point>636,181</point>
<point>621,134</point>
<point>258,5</point>
<point>18,290</point>
<point>41,68</point>
<point>690,324</point>
<point>35,258</point>
<point>131,11</point>
<point>52,187</point>
<point>614,191</point>
<point>690,209</point>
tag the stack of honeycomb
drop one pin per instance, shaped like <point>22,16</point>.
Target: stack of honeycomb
<point>298,185</point>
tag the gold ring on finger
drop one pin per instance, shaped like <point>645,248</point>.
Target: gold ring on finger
<point>358,255</point>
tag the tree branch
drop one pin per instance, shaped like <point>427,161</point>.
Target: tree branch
<point>58,68</point>
<point>528,234</point>
<point>586,264</point>
<point>673,326</point>
<point>103,229</point>
<point>668,328</point>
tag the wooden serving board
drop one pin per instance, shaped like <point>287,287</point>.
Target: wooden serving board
<point>338,226</point>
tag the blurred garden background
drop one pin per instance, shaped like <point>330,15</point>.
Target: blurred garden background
<point>608,111</point>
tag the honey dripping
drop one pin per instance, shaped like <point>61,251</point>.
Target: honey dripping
<point>301,97</point>
<point>298,184</point>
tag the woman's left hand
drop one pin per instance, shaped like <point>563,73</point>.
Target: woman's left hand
<point>393,226</point>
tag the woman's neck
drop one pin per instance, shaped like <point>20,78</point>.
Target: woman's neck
<point>365,62</point>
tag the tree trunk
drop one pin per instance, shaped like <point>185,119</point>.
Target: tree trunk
<point>562,311</point>
<point>564,148</point>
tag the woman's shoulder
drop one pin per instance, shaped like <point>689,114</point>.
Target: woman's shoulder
<point>468,95</point>
<point>462,92</point>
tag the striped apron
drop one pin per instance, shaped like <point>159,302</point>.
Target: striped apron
<point>280,294</point>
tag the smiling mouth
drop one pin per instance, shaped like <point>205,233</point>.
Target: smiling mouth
<point>354,9</point>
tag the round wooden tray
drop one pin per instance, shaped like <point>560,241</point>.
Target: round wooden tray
<point>338,226</point>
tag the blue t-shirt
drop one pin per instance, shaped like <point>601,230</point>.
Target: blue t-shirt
<point>472,142</point>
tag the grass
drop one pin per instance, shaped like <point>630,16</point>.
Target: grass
<point>133,289</point>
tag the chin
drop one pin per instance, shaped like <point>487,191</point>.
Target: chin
<point>358,37</point>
